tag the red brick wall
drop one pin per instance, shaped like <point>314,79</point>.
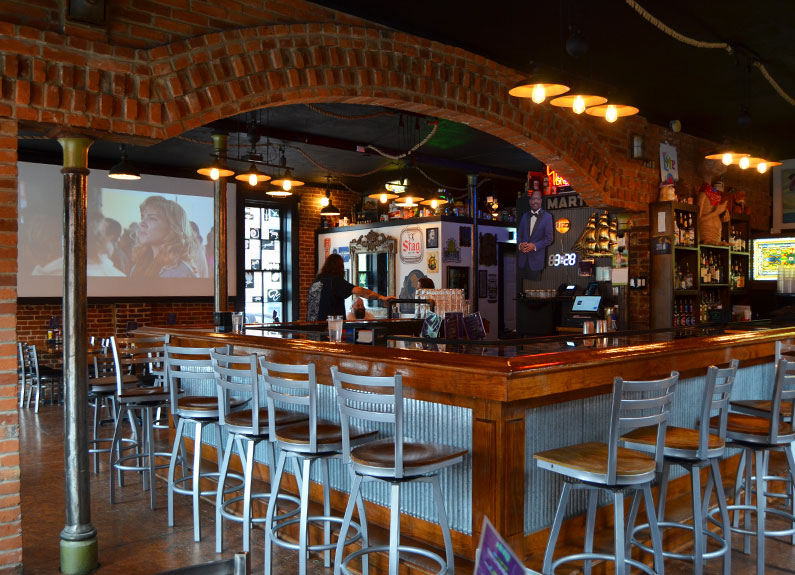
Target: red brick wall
<point>10,513</point>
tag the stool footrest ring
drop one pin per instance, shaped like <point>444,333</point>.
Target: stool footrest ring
<point>226,514</point>
<point>314,519</point>
<point>752,508</point>
<point>605,557</point>
<point>401,549</point>
<point>686,557</point>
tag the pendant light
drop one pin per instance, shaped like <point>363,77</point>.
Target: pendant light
<point>218,168</point>
<point>287,182</point>
<point>727,156</point>
<point>408,201</point>
<point>383,197</point>
<point>329,209</point>
<point>612,112</point>
<point>253,175</point>
<point>434,201</point>
<point>578,100</point>
<point>761,165</point>
<point>124,170</point>
<point>538,88</point>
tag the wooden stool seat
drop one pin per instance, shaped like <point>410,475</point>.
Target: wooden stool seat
<point>591,459</point>
<point>144,394</point>
<point>740,426</point>
<point>328,434</point>
<point>244,419</point>
<point>679,441</point>
<point>110,380</point>
<point>760,405</point>
<point>381,453</point>
<point>206,403</point>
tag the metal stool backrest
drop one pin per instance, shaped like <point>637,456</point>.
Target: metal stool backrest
<point>21,362</point>
<point>185,364</point>
<point>785,350</point>
<point>236,373</point>
<point>376,399</point>
<point>294,390</point>
<point>717,393</point>
<point>783,392</point>
<point>104,365</point>
<point>140,356</point>
<point>638,404</point>
<point>32,362</point>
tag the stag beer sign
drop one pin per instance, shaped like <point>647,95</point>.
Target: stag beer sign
<point>411,245</point>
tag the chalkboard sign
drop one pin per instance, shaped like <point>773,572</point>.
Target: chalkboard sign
<point>473,326</point>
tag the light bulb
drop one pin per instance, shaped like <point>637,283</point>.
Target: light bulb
<point>761,167</point>
<point>214,174</point>
<point>323,202</point>
<point>383,198</point>
<point>434,203</point>
<point>727,159</point>
<point>539,93</point>
<point>611,114</point>
<point>408,201</point>
<point>252,179</point>
<point>286,185</point>
<point>579,105</point>
<point>744,163</point>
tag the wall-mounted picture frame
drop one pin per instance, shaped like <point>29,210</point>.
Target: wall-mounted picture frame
<point>783,197</point>
<point>458,278</point>
<point>465,236</point>
<point>483,283</point>
<point>432,238</point>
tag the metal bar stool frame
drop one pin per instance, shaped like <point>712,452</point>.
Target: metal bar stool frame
<point>37,376</point>
<point>379,399</point>
<point>708,450</point>
<point>186,364</point>
<point>300,389</point>
<point>634,404</point>
<point>22,377</point>
<point>242,379</point>
<point>102,393</point>
<point>761,408</point>
<point>132,398</point>
<point>772,434</point>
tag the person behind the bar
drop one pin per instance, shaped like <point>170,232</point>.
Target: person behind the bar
<point>165,242</point>
<point>534,235</point>
<point>328,292</point>
<point>358,311</point>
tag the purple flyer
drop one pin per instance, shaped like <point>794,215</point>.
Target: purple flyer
<point>495,557</point>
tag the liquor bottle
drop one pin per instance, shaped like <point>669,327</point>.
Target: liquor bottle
<point>677,230</point>
<point>691,230</point>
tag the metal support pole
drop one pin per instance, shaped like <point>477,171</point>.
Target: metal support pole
<point>472,184</point>
<point>221,283</point>
<point>79,537</point>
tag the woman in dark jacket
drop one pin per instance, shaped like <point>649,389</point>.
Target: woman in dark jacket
<point>328,292</point>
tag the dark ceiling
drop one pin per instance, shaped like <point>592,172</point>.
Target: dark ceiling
<point>627,56</point>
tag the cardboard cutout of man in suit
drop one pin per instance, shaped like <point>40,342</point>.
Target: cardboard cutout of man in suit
<point>534,235</point>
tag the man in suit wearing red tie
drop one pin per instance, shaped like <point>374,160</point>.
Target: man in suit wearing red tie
<point>534,235</point>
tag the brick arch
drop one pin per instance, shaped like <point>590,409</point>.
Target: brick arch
<point>157,93</point>
<point>221,74</point>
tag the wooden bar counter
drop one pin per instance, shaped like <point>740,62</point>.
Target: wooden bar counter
<point>508,401</point>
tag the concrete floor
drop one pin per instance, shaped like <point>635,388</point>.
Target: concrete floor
<point>134,539</point>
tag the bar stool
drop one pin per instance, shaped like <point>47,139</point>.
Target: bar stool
<point>238,374</point>
<point>693,449</point>
<point>132,398</point>
<point>606,466</point>
<point>39,376</point>
<point>395,460</point>
<point>757,435</point>
<point>305,443</point>
<point>193,364</point>
<point>21,372</point>
<point>761,408</point>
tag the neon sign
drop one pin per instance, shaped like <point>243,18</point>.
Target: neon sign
<point>555,178</point>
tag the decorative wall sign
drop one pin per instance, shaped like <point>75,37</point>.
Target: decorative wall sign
<point>411,249</point>
<point>451,251</point>
<point>562,225</point>
<point>458,278</point>
<point>669,164</point>
<point>492,288</point>
<point>433,262</point>
<point>432,238</point>
<point>465,236</point>
<point>483,283</point>
<point>661,246</point>
<point>488,250</point>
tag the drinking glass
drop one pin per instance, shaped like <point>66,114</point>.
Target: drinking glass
<point>335,328</point>
<point>237,322</point>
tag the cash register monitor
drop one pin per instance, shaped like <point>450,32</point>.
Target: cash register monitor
<point>586,304</point>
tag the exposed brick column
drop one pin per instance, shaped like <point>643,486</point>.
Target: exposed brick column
<point>10,512</point>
